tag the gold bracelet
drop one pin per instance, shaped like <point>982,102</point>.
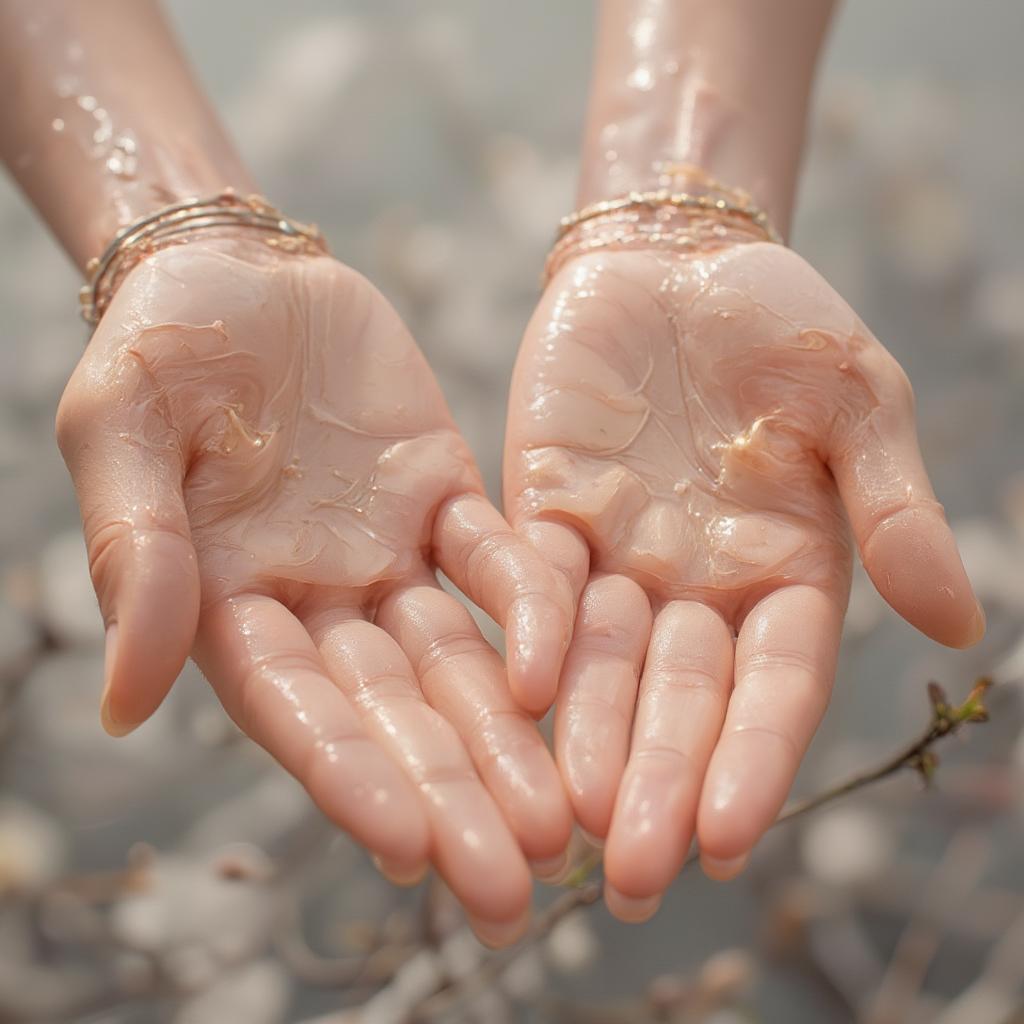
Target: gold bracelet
<point>665,197</point>
<point>176,224</point>
<point>686,221</point>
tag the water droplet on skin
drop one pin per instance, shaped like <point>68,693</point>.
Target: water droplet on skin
<point>57,124</point>
<point>87,103</point>
<point>641,78</point>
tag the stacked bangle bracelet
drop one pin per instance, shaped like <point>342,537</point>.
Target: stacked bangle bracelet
<point>685,221</point>
<point>178,223</point>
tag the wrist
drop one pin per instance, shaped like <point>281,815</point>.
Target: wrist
<point>692,223</point>
<point>227,219</point>
<point>722,87</point>
<point>110,208</point>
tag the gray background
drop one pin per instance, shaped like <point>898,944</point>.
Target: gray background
<point>435,144</point>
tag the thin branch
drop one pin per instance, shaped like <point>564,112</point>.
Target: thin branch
<point>919,756</point>
<point>495,965</point>
<point>583,890</point>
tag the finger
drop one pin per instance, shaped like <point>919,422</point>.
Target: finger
<point>683,695</point>
<point>905,542</point>
<point>597,695</point>
<point>463,678</point>
<point>563,549</point>
<point>785,663</point>
<point>141,557</point>
<point>273,683</point>
<point>472,846</point>
<point>507,577</point>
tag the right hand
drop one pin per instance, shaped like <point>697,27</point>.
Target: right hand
<point>688,434</point>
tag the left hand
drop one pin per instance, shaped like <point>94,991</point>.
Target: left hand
<point>684,435</point>
<point>269,478</point>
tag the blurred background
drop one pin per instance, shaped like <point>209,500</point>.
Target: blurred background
<point>179,876</point>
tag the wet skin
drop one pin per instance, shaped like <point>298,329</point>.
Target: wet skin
<point>687,437</point>
<point>269,478</point>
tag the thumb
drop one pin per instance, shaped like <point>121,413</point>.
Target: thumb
<point>905,543</point>
<point>141,558</point>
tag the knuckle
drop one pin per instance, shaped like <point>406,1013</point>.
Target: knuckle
<point>686,679</point>
<point>788,660</point>
<point>901,385</point>
<point>102,540</point>
<point>73,414</point>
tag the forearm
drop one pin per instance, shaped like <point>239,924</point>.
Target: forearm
<point>102,121</point>
<point>723,85</point>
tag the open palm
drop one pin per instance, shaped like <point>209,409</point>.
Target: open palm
<point>267,471</point>
<point>685,433</point>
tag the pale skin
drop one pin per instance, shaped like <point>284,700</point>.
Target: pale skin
<point>689,435</point>
<point>269,479</point>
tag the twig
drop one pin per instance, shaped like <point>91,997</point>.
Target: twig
<point>492,968</point>
<point>947,720</point>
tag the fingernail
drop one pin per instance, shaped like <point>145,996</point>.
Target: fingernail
<point>552,870</point>
<point>630,909</point>
<point>400,874</point>
<point>977,630</point>
<point>110,724</point>
<point>497,934</point>
<point>723,870</point>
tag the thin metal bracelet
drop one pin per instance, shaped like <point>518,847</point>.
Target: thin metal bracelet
<point>665,197</point>
<point>687,228</point>
<point>177,223</point>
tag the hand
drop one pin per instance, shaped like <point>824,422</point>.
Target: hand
<point>685,433</point>
<point>267,470</point>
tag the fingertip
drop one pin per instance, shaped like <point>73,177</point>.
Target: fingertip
<point>590,776</point>
<point>914,563</point>
<point>499,934</point>
<point>153,611</point>
<point>651,829</point>
<point>719,870</point>
<point>594,839</point>
<point>108,719</point>
<point>630,909</point>
<point>551,870</point>
<point>537,637</point>
<point>740,800</point>
<point>551,831</point>
<point>376,804</point>
<point>401,873</point>
<point>111,726</point>
<point>975,632</point>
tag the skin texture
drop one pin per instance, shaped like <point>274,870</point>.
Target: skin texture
<point>269,478</point>
<point>103,121</point>
<point>691,428</point>
<point>267,472</point>
<point>690,425</point>
<point>722,86</point>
